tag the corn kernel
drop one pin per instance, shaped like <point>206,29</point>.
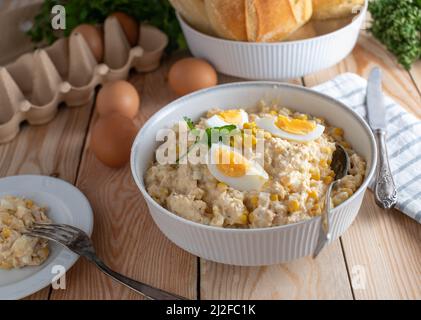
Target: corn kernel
<point>315,173</point>
<point>328,179</point>
<point>329,162</point>
<point>313,194</point>
<point>253,140</point>
<point>243,218</point>
<point>249,125</point>
<point>221,186</point>
<point>302,117</point>
<point>338,131</point>
<point>325,149</point>
<point>313,183</point>
<point>254,201</point>
<point>164,191</point>
<point>315,210</point>
<point>29,204</point>
<point>267,135</point>
<point>273,113</point>
<point>274,197</point>
<point>323,163</point>
<point>44,252</point>
<point>6,233</point>
<point>293,206</point>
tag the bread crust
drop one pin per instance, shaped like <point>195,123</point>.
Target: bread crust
<point>194,12</point>
<point>275,20</point>
<point>227,18</point>
<point>334,9</point>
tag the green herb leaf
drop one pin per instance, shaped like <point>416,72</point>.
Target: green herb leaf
<point>190,123</point>
<point>219,132</point>
<point>397,24</point>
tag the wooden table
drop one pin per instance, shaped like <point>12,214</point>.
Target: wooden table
<point>379,257</point>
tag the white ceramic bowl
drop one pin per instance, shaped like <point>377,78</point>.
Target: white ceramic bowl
<point>251,247</point>
<point>274,61</point>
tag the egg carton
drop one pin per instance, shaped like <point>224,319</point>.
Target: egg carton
<point>32,87</point>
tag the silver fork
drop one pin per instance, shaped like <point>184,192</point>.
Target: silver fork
<point>79,242</point>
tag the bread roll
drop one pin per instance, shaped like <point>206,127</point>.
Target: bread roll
<point>194,12</point>
<point>332,9</point>
<point>227,18</point>
<point>275,20</point>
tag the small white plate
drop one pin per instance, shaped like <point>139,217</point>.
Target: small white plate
<point>65,204</point>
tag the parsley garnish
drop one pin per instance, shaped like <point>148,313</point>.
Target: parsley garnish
<point>219,132</point>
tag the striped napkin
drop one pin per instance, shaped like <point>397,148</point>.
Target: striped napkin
<point>403,138</point>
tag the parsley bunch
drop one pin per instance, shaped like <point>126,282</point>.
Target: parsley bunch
<point>397,24</point>
<point>158,13</point>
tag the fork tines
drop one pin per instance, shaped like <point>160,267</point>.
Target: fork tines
<point>57,232</point>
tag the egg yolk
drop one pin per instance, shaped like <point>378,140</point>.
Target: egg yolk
<point>295,126</point>
<point>231,164</point>
<point>231,116</point>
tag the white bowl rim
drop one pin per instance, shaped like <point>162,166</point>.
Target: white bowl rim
<point>174,104</point>
<point>357,18</point>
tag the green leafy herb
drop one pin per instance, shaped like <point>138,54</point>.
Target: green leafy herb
<point>397,24</point>
<point>190,123</point>
<point>155,12</point>
<point>208,134</point>
<point>218,132</point>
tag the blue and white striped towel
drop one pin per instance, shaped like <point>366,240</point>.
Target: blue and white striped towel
<point>403,138</point>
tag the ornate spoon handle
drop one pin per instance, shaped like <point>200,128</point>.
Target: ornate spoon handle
<point>385,190</point>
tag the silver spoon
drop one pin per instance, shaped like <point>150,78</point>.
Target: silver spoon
<point>340,165</point>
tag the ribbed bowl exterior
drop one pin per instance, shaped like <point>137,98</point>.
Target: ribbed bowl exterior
<point>256,247</point>
<point>252,247</point>
<point>274,61</point>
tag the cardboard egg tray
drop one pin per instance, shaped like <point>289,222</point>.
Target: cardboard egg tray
<point>32,87</point>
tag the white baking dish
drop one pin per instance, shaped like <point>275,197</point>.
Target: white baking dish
<point>274,61</point>
<point>251,247</point>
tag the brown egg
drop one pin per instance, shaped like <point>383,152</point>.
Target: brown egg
<point>191,74</point>
<point>112,138</point>
<point>130,27</point>
<point>118,96</point>
<point>93,38</point>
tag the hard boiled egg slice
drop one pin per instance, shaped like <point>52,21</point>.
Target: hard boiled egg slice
<point>228,117</point>
<point>291,129</point>
<point>231,167</point>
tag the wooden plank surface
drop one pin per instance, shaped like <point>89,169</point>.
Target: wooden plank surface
<point>323,278</point>
<point>382,246</point>
<point>416,76</point>
<point>124,233</point>
<point>52,149</point>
